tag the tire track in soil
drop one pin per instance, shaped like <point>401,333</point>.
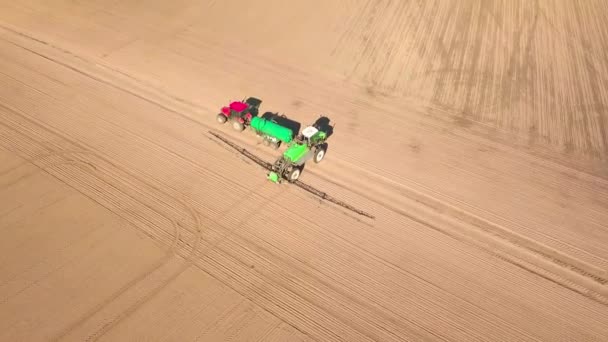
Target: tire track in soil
<point>317,297</point>
<point>333,283</point>
<point>58,250</point>
<point>595,85</point>
<point>63,153</point>
<point>518,82</point>
<point>395,175</point>
<point>65,156</point>
<point>100,79</point>
<point>505,237</point>
<point>454,232</point>
<point>105,329</point>
<point>33,283</point>
<point>286,267</point>
<point>82,165</point>
<point>140,278</point>
<point>170,110</point>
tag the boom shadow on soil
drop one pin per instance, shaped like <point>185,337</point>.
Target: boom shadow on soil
<point>268,166</point>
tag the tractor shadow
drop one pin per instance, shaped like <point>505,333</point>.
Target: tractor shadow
<point>284,121</point>
<point>323,124</point>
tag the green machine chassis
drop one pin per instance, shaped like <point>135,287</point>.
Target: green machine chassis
<point>309,145</point>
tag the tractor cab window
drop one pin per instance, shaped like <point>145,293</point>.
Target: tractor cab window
<point>308,133</point>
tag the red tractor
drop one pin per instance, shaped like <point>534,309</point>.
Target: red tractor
<point>240,113</point>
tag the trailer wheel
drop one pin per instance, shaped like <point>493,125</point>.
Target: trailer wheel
<point>319,154</point>
<point>221,118</point>
<point>294,174</point>
<point>238,126</point>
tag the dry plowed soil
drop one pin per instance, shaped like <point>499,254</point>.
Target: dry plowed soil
<point>474,134</point>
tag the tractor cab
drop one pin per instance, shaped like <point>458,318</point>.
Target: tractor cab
<point>309,132</point>
<point>239,113</point>
<point>311,136</point>
<point>238,108</point>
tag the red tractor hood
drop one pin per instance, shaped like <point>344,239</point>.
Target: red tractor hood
<point>238,106</point>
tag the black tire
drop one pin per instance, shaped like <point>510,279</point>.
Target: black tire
<point>319,154</point>
<point>221,118</point>
<point>238,126</point>
<point>294,174</point>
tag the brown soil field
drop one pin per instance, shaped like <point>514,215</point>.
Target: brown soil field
<point>474,131</point>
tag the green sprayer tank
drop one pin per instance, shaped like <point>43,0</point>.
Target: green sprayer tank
<point>272,129</point>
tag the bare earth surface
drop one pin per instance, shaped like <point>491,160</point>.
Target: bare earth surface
<point>474,131</point>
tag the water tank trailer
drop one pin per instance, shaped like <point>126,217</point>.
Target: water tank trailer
<point>271,132</point>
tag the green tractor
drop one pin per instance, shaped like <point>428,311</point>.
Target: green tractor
<point>311,144</point>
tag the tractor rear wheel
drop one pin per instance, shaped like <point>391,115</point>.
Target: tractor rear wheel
<point>294,174</point>
<point>319,154</point>
<point>238,126</point>
<point>221,118</point>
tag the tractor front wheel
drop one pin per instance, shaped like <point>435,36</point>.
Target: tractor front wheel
<point>294,174</point>
<point>221,118</point>
<point>319,155</point>
<point>238,126</point>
